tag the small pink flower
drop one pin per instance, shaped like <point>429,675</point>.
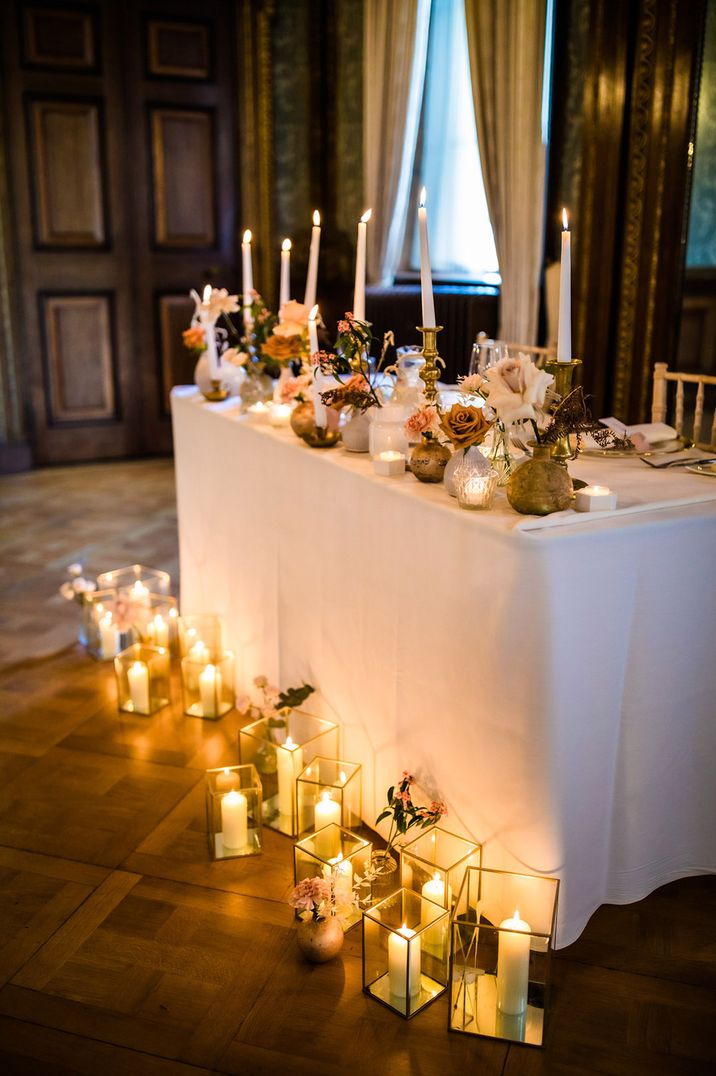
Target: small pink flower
<point>438,807</point>
<point>343,327</point>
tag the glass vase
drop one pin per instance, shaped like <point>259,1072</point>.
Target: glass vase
<point>384,877</point>
<point>257,388</point>
<point>499,453</point>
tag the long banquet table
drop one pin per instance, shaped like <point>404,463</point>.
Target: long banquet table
<point>553,680</point>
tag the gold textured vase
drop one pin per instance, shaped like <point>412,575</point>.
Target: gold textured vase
<point>428,460</point>
<point>541,485</point>
<point>302,418</point>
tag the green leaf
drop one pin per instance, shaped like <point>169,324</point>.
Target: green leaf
<point>382,815</point>
<point>391,790</point>
<point>293,697</point>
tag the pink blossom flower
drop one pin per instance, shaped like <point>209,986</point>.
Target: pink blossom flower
<point>438,807</point>
<point>343,327</point>
<point>309,894</point>
<point>422,421</point>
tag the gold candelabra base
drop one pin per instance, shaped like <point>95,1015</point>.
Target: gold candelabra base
<point>216,394</point>
<point>563,372</point>
<point>430,373</point>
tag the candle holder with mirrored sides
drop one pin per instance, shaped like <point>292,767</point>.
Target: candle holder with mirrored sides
<point>200,630</point>
<point>142,674</point>
<point>137,578</point>
<point>405,952</point>
<point>434,863</point>
<point>280,747</point>
<point>207,678</point>
<point>233,812</point>
<point>503,929</point>
<point>329,790</point>
<point>340,857</point>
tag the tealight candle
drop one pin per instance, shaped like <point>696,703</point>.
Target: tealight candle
<point>289,763</point>
<point>234,820</point>
<point>389,463</point>
<point>403,963</point>
<point>138,679</point>
<point>259,411</point>
<point>595,499</point>
<point>280,414</point>
<point>513,965</point>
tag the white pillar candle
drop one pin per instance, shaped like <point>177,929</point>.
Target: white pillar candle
<point>226,781</point>
<point>404,963</point>
<point>285,282</point>
<point>234,820</point>
<point>513,965</point>
<point>247,277</point>
<point>312,275</point>
<point>564,333</point>
<point>138,679</point>
<point>139,593</point>
<point>342,872</point>
<point>210,690</point>
<point>160,631</point>
<point>210,336</point>
<point>109,636</point>
<point>595,499</point>
<point>325,812</point>
<point>434,890</point>
<point>426,277</point>
<point>289,763</point>
<point>389,463</point>
<point>359,286</point>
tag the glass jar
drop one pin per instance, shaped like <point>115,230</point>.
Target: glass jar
<point>474,486</point>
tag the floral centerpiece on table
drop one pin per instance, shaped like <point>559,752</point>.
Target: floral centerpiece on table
<point>351,359</point>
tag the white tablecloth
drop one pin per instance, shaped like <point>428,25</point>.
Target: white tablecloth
<point>556,685</point>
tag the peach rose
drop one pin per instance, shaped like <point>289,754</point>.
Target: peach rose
<point>464,425</point>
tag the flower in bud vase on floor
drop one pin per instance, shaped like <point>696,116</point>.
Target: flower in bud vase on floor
<point>320,934</point>
<point>75,589</point>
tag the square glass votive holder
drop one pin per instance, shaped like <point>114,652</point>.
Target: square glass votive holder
<point>208,683</point>
<point>434,864</point>
<point>502,939</point>
<point>329,790</point>
<point>158,625</point>
<point>142,674</point>
<point>233,812</point>
<point>280,752</point>
<point>338,856</point>
<point>137,579</point>
<point>405,952</point>
<point>107,630</point>
<point>200,629</point>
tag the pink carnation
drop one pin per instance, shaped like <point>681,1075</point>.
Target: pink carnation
<point>423,421</point>
<point>310,893</point>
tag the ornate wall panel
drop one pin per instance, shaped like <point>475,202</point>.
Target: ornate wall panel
<point>55,39</point>
<point>178,49</point>
<point>78,358</point>
<point>177,364</point>
<point>68,175</point>
<point>183,179</point>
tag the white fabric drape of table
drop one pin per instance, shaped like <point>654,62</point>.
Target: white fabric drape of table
<point>556,687</point>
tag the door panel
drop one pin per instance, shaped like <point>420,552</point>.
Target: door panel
<point>79,358</point>
<point>183,177</point>
<point>59,39</point>
<point>178,49</point>
<point>177,364</point>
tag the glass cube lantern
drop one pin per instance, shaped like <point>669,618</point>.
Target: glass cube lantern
<point>142,674</point>
<point>388,441</point>
<point>200,629</point>
<point>502,936</point>
<point>338,856</point>
<point>329,791</point>
<point>404,965</point>
<point>434,864</point>
<point>233,812</point>
<point>108,628</point>
<point>137,579</point>
<point>208,683</point>
<point>280,748</point>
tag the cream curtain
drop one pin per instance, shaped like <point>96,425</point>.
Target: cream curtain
<point>395,45</point>
<point>506,40</point>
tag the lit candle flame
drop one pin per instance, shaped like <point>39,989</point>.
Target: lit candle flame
<point>423,198</point>
<point>326,796</point>
<point>366,216</point>
<point>342,777</point>
<point>565,222</point>
<point>436,876</point>
<point>289,743</point>
<point>313,313</point>
<point>247,235</point>
<point>316,218</point>
<point>286,245</point>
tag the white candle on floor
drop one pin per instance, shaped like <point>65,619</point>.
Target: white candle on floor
<point>161,631</point>
<point>138,679</point>
<point>404,963</point>
<point>210,690</point>
<point>434,890</point>
<point>342,872</point>
<point>513,965</point>
<point>234,820</point>
<point>109,636</point>
<point>325,812</point>
<point>289,763</point>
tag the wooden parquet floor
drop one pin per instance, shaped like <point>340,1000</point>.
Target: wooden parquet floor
<point>123,950</point>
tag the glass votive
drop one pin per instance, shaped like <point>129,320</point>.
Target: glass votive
<point>142,674</point>
<point>156,622</point>
<point>280,747</point>
<point>389,463</point>
<point>434,864</point>
<point>233,812</point>
<point>340,857</point>
<point>502,937</point>
<point>405,952</point>
<point>329,791</point>
<point>280,414</point>
<point>137,579</point>
<point>208,683</point>
<point>474,490</point>
<point>205,629</point>
<point>107,630</point>
<point>259,411</point>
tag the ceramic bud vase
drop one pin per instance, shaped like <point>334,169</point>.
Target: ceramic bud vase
<point>541,485</point>
<point>320,939</point>
<point>428,460</point>
<point>356,432</point>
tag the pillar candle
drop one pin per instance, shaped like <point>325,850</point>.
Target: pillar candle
<point>285,284</point>
<point>359,286</point>
<point>342,873</point>
<point>426,277</point>
<point>564,336</point>
<point>325,812</point>
<point>404,963</point>
<point>160,631</point>
<point>434,890</point>
<point>210,690</point>
<point>109,636</point>
<point>248,277</point>
<point>289,763</point>
<point>139,593</point>
<point>513,965</point>
<point>234,820</point>
<point>312,275</point>
<point>138,679</point>
<point>226,781</point>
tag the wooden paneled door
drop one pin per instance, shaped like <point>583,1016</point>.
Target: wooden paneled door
<point>122,148</point>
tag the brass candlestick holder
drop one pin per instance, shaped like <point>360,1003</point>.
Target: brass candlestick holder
<point>216,394</point>
<point>563,373</point>
<point>430,373</point>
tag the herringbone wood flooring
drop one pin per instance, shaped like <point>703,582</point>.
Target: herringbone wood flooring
<point>123,950</point>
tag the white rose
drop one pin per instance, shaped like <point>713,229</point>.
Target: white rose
<point>515,388</point>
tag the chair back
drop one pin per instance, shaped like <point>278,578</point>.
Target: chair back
<point>684,401</point>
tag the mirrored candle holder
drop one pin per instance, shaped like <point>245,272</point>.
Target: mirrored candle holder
<point>502,938</point>
<point>208,683</point>
<point>280,747</point>
<point>137,579</point>
<point>329,790</point>
<point>342,859</point>
<point>404,967</point>
<point>233,812</point>
<point>142,674</point>
<point>205,629</point>
<point>434,864</point>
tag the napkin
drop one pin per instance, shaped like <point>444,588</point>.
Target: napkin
<point>652,431</point>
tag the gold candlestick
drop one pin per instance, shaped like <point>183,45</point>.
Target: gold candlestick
<point>430,372</point>
<point>563,372</point>
<point>216,393</point>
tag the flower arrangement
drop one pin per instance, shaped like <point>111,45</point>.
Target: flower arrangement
<point>403,813</point>
<point>76,587</point>
<point>274,703</point>
<point>423,423</point>
<point>351,357</point>
<point>313,898</point>
<point>465,425</point>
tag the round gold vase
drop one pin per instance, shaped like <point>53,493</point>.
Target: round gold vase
<point>320,939</point>
<point>303,419</point>
<point>428,461</point>
<point>540,486</point>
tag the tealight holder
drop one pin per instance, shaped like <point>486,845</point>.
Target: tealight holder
<point>137,579</point>
<point>259,411</point>
<point>142,674</point>
<point>502,937</point>
<point>216,393</point>
<point>434,865</point>
<point>388,442</point>
<point>280,414</point>
<point>233,812</point>
<point>206,629</point>
<point>329,791</point>
<point>208,683</point>
<point>474,486</point>
<point>280,747</point>
<point>403,967</point>
<point>341,858</point>
<point>595,499</point>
